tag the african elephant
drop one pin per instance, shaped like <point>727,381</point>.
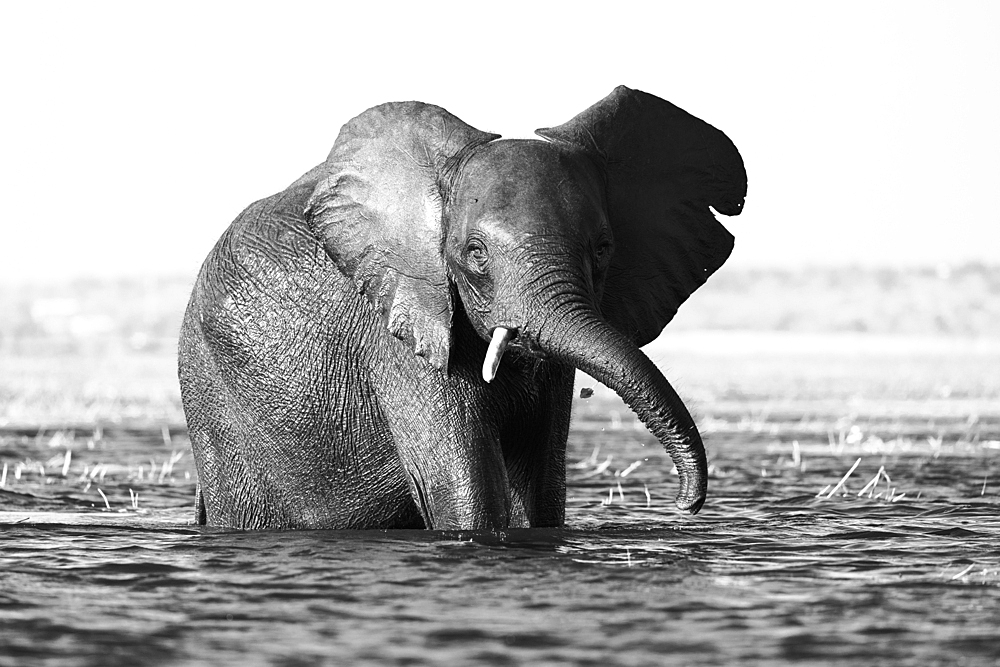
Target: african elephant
<point>340,356</point>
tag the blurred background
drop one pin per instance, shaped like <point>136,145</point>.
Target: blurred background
<point>132,134</point>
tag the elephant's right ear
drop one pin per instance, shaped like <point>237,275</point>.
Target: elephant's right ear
<point>379,214</point>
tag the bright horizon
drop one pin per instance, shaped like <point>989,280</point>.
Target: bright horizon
<point>133,135</point>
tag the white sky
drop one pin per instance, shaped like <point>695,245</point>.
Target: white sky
<point>132,134</point>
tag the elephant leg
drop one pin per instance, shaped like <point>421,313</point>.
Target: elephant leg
<point>457,476</point>
<point>534,445</point>
<point>449,448</point>
<point>549,501</point>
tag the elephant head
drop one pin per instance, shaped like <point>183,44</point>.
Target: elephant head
<point>578,248</point>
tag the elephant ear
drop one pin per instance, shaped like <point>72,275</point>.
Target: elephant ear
<point>663,169</point>
<point>378,211</point>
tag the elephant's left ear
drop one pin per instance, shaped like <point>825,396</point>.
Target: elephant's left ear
<point>664,168</point>
<point>379,214</point>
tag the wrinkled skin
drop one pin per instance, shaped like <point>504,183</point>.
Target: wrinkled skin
<point>332,354</point>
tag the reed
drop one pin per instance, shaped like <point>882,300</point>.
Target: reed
<point>889,494</point>
<point>843,479</point>
<point>963,572</point>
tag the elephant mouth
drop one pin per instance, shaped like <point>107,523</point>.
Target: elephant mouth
<point>529,347</point>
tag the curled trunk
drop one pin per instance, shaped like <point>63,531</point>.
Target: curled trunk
<point>609,357</point>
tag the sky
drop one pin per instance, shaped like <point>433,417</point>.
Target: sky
<point>131,134</point>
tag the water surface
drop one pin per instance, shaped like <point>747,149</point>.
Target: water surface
<point>779,567</point>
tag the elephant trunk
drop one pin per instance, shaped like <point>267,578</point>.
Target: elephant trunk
<point>608,356</point>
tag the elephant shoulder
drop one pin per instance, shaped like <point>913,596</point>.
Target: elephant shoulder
<point>269,239</point>
<point>268,261</point>
<point>274,231</point>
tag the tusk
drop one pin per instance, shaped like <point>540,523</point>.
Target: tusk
<point>501,336</point>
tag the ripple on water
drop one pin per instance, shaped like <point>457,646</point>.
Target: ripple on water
<point>767,572</point>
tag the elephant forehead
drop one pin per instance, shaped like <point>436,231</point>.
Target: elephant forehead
<point>527,182</point>
<point>523,162</point>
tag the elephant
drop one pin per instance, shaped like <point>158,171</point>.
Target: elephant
<point>340,356</point>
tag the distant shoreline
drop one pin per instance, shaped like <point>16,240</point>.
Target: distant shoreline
<point>927,310</point>
<point>792,343</point>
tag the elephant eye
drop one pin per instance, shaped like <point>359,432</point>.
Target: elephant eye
<point>603,253</point>
<point>477,254</point>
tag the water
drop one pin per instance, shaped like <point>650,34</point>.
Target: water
<point>907,572</point>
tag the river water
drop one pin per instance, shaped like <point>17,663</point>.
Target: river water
<point>781,566</point>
